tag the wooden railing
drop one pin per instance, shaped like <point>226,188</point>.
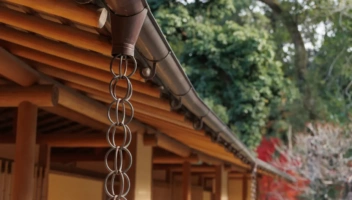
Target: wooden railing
<point>6,176</point>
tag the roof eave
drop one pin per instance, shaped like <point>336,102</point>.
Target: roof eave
<point>153,45</point>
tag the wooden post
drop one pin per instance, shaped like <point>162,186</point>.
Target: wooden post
<point>221,183</point>
<point>244,187</point>
<point>186,181</point>
<point>140,173</point>
<point>25,152</point>
<point>44,161</point>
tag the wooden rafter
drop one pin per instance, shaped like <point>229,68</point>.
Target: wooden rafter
<point>208,159</point>
<point>40,95</point>
<point>15,70</point>
<point>47,120</point>
<point>72,128</point>
<point>65,9</point>
<point>75,77</point>
<point>71,53</point>
<point>77,102</point>
<point>167,143</point>
<point>56,125</point>
<point>174,159</point>
<point>59,32</point>
<point>153,113</point>
<point>59,67</point>
<point>137,97</point>
<point>196,140</point>
<point>65,139</point>
<point>4,81</point>
<point>76,117</point>
<point>178,168</point>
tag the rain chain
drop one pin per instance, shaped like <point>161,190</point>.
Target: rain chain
<point>117,183</point>
<point>254,183</point>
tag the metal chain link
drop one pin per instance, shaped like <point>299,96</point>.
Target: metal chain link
<point>118,189</point>
<point>254,183</point>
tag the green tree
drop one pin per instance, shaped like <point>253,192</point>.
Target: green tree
<point>232,66</point>
<point>301,48</point>
<point>313,40</point>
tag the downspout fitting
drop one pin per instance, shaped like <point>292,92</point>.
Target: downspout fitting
<point>127,18</point>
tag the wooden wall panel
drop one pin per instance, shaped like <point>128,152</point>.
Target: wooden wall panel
<point>161,190</point>
<point>73,188</point>
<point>235,189</point>
<point>206,195</point>
<point>197,193</point>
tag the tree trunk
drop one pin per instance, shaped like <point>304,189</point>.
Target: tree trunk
<point>301,55</point>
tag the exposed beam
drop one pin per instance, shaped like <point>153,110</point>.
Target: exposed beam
<point>14,69</point>
<point>153,113</point>
<point>233,168</point>
<point>197,169</point>
<point>60,67</point>
<point>178,168</point>
<point>78,128</point>
<point>76,77</point>
<point>47,120</point>
<point>76,117</point>
<point>79,103</point>
<point>73,157</point>
<point>69,52</point>
<point>167,159</point>
<point>77,140</point>
<point>64,8</point>
<point>231,175</point>
<point>209,159</point>
<point>5,82</point>
<point>195,140</point>
<point>167,143</point>
<point>76,172</point>
<point>88,107</point>
<point>77,157</point>
<point>40,95</point>
<point>136,97</point>
<point>58,124</point>
<point>186,126</point>
<point>63,33</point>
<point>68,140</point>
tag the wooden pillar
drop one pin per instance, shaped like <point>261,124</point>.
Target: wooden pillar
<point>25,152</point>
<point>245,187</point>
<point>44,161</point>
<point>140,173</point>
<point>221,183</point>
<point>186,181</point>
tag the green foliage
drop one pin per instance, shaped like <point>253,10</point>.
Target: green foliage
<point>240,58</point>
<point>231,66</point>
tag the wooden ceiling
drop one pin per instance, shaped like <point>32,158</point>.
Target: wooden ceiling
<point>75,54</point>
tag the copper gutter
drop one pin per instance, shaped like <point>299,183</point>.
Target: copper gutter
<point>153,46</point>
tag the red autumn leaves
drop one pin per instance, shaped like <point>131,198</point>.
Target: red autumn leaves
<point>277,189</point>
